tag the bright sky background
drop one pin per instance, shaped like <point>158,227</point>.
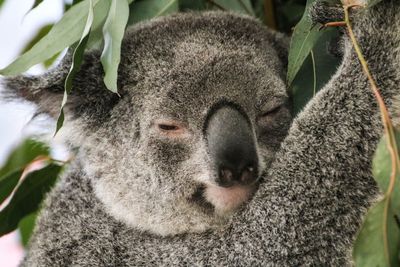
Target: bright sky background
<point>16,29</point>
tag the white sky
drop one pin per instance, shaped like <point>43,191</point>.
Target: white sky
<point>16,29</point>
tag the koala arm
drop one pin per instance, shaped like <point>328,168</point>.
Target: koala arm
<point>311,205</point>
<point>72,229</point>
<point>320,185</point>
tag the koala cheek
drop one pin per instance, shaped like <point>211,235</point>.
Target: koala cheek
<point>167,156</point>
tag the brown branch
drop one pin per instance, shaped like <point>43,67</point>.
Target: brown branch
<point>269,12</point>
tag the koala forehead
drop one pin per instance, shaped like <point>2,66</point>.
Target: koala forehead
<point>188,62</point>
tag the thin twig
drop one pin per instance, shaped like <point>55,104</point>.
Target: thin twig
<point>269,12</point>
<point>314,73</point>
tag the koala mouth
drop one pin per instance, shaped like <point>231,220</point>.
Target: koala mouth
<point>222,200</point>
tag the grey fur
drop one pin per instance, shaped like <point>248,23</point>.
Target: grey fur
<point>313,197</point>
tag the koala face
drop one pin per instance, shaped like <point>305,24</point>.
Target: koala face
<point>203,117</point>
<point>203,110</point>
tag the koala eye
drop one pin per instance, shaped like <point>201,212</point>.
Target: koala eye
<point>170,128</point>
<point>272,112</point>
<point>269,116</point>
<point>166,127</point>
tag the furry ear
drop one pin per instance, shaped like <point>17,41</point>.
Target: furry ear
<point>89,96</point>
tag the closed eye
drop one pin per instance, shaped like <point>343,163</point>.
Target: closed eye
<point>170,128</point>
<point>272,111</point>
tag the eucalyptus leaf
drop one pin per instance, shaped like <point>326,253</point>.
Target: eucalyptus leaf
<point>26,226</point>
<point>22,155</point>
<point>378,243</point>
<point>302,87</point>
<point>8,183</point>
<point>28,197</point>
<point>113,32</point>
<point>185,5</point>
<point>36,3</point>
<point>147,9</point>
<point>304,37</point>
<point>240,6</point>
<point>369,248</point>
<point>77,57</point>
<point>63,34</point>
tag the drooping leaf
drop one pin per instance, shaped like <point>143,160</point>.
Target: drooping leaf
<point>240,6</point>
<point>185,5</point>
<point>17,161</point>
<point>369,249</point>
<point>147,9</point>
<point>26,226</point>
<point>28,197</point>
<point>63,34</point>
<point>304,37</point>
<point>113,32</point>
<point>302,88</point>
<point>77,57</point>
<point>36,3</point>
<point>96,33</point>
<point>43,31</point>
<point>22,155</point>
<point>50,61</point>
<point>8,183</point>
<point>378,243</point>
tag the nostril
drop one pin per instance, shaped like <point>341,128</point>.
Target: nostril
<point>248,175</point>
<point>229,177</point>
<point>226,177</point>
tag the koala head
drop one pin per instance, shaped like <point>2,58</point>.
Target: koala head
<point>202,110</point>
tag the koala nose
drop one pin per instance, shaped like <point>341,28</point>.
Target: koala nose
<point>231,146</point>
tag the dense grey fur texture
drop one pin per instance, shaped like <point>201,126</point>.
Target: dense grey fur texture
<point>313,197</point>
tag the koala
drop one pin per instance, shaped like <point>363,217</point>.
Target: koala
<point>198,163</point>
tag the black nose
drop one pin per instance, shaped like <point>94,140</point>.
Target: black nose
<point>231,147</point>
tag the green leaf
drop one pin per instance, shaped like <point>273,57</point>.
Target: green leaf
<point>381,169</point>
<point>378,243</point>
<point>302,88</point>
<point>63,34</point>
<point>17,161</point>
<point>147,9</point>
<point>36,3</point>
<point>22,155</point>
<point>113,31</point>
<point>240,6</point>
<point>26,226</point>
<point>198,5</point>
<point>304,37</point>
<point>77,58</point>
<point>43,31</point>
<point>1,3</point>
<point>8,183</point>
<point>369,249</point>
<point>371,3</point>
<point>28,197</point>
